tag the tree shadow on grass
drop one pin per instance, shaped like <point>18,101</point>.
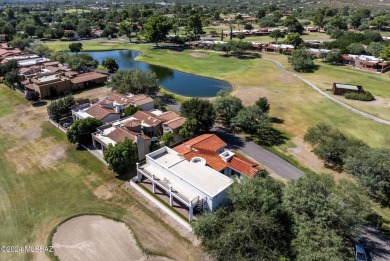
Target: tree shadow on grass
<point>39,103</point>
<point>273,137</point>
<point>277,120</point>
<point>129,174</point>
<point>311,70</point>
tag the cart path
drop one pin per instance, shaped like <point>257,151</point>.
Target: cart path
<point>316,88</point>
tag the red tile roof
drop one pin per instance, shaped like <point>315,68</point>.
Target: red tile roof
<point>206,141</point>
<point>140,99</point>
<point>147,117</point>
<point>99,112</point>
<point>206,147</point>
<point>168,115</point>
<point>121,133</point>
<point>243,165</point>
<point>175,123</point>
<point>85,77</point>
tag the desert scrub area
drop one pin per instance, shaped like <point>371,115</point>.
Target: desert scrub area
<point>45,180</point>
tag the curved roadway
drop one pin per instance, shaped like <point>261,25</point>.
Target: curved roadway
<point>369,116</point>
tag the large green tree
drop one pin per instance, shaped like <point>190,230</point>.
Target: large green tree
<point>302,61</point>
<point>157,28</point>
<point>126,28</point>
<point>200,110</point>
<point>75,47</point>
<point>325,215</point>
<point>331,145</point>
<point>80,131</point>
<point>226,107</point>
<point>372,168</point>
<point>60,108</point>
<point>276,34</point>
<point>252,120</point>
<point>110,64</point>
<point>121,156</point>
<point>385,54</point>
<point>293,25</point>
<point>253,228</point>
<point>41,49</point>
<point>190,129</point>
<point>134,81</point>
<point>375,48</point>
<point>294,39</point>
<point>168,138</point>
<point>77,62</point>
<point>195,25</point>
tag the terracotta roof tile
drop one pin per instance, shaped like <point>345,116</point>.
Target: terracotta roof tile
<point>132,123</point>
<point>147,117</point>
<point>243,166</point>
<point>99,112</point>
<point>206,146</point>
<point>119,134</point>
<point>85,77</point>
<point>168,115</point>
<point>175,123</point>
<point>118,98</point>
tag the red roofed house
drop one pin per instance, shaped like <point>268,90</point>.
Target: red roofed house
<point>171,122</point>
<point>104,111</point>
<point>212,150</point>
<point>88,79</point>
<point>118,131</point>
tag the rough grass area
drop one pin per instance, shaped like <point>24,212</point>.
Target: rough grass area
<point>45,180</point>
<point>8,100</point>
<point>376,84</point>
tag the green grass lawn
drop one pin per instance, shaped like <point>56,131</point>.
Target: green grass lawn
<point>291,99</point>
<point>44,180</point>
<point>377,84</point>
<point>8,100</point>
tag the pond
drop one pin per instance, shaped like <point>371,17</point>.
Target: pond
<point>174,81</point>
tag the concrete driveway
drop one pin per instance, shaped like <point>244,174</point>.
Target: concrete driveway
<point>269,160</point>
<point>377,246</point>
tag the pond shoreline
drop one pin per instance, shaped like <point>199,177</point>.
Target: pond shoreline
<point>171,80</point>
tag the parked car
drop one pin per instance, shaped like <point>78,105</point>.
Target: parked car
<point>360,253</point>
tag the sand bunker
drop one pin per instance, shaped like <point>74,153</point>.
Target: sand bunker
<point>96,238</point>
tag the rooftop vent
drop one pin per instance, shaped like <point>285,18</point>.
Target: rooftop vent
<point>198,160</point>
<point>227,155</point>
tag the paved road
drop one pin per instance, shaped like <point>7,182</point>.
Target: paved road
<point>262,156</point>
<point>378,247</point>
<point>369,116</point>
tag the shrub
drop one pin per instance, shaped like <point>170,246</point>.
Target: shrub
<point>362,96</point>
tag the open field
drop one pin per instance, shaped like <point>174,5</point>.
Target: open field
<point>45,180</point>
<point>377,84</point>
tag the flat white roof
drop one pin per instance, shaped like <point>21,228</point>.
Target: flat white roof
<point>48,78</point>
<point>202,177</point>
<point>347,86</point>
<point>82,114</point>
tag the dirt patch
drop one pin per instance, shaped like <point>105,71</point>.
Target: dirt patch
<point>103,192</point>
<point>304,155</point>
<point>94,93</point>
<point>96,238</point>
<point>197,55</point>
<point>41,155</point>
